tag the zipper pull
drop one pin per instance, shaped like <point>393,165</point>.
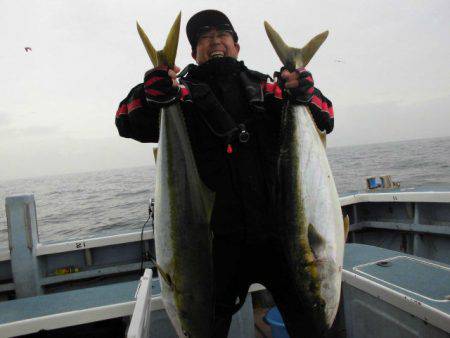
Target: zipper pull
<point>229,149</point>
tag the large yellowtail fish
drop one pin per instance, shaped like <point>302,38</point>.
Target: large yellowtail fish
<point>183,208</point>
<point>311,222</point>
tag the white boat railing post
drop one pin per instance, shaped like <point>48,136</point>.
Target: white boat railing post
<point>419,245</point>
<point>140,320</point>
<point>23,239</point>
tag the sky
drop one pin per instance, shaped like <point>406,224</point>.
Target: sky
<point>385,66</point>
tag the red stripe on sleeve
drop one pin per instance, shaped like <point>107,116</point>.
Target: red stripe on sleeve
<point>134,105</point>
<point>331,111</point>
<point>153,92</point>
<point>152,80</point>
<point>317,101</point>
<point>122,110</point>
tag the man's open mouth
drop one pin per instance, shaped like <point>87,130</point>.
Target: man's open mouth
<point>216,54</point>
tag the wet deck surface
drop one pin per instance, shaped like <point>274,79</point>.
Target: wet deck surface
<point>423,281</point>
<point>64,302</point>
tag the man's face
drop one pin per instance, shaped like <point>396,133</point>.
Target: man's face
<point>215,43</point>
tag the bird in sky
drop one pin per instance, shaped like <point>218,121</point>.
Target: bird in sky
<point>28,49</point>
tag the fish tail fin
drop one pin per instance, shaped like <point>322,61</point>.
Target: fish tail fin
<point>312,46</point>
<point>168,54</point>
<point>151,51</point>
<point>171,46</point>
<point>293,58</point>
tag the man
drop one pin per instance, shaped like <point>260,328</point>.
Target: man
<point>232,115</point>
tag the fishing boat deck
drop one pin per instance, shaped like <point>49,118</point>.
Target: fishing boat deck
<point>70,308</point>
<point>422,280</point>
<point>407,289</point>
<point>376,278</point>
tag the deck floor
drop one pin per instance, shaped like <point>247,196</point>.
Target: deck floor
<point>64,302</point>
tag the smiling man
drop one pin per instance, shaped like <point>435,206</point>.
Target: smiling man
<point>232,115</point>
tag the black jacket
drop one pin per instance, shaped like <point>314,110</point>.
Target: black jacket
<point>216,98</point>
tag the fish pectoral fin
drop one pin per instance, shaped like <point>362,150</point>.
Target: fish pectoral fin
<point>346,227</point>
<point>315,240</point>
<point>293,58</point>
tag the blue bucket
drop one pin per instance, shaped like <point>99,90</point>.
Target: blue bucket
<point>274,319</point>
<point>372,182</point>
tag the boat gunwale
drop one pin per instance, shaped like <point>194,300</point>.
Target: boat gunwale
<point>399,196</point>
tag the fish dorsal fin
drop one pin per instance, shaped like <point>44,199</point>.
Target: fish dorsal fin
<point>166,56</point>
<point>293,58</point>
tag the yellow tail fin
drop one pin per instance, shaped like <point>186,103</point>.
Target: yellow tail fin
<point>167,55</point>
<point>293,58</point>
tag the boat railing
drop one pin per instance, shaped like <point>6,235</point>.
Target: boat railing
<point>81,244</point>
<point>42,265</point>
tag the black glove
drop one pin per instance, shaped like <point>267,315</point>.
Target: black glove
<point>304,92</point>
<point>158,86</point>
<point>305,89</point>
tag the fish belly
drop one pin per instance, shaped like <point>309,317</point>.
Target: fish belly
<point>322,210</point>
<point>182,234</point>
<point>310,218</point>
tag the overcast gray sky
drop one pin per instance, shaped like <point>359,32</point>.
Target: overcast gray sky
<point>385,66</point>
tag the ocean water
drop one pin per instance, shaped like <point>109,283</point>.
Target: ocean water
<point>84,205</point>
